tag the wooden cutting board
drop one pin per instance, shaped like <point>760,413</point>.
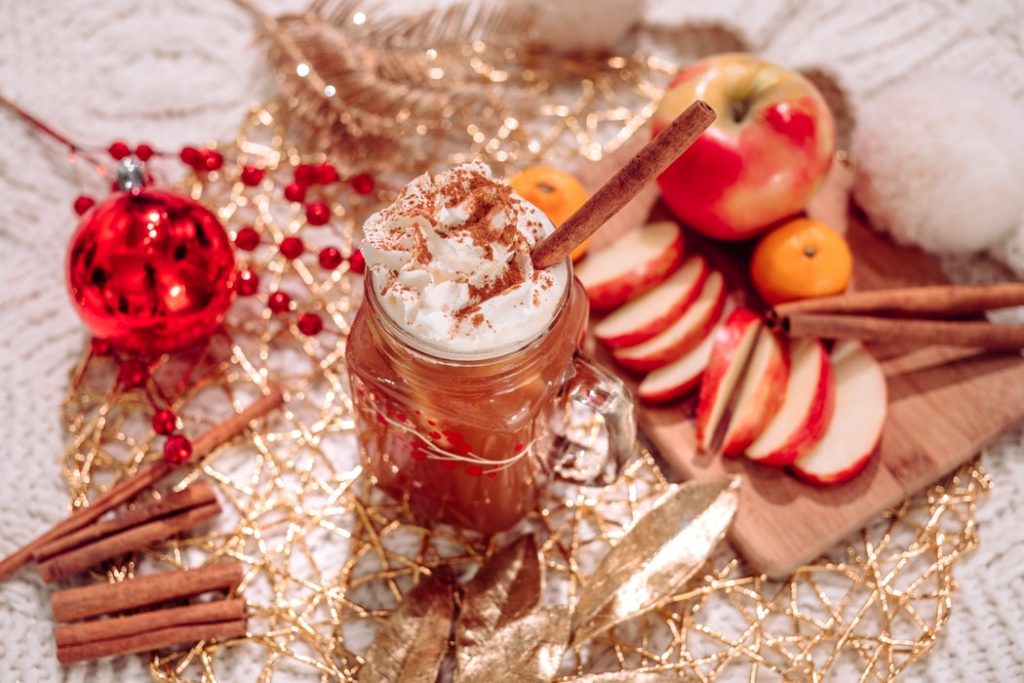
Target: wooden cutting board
<point>945,405</point>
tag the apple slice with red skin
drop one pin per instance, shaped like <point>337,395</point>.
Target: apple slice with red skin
<point>652,312</point>
<point>632,264</point>
<point>683,374</point>
<point>853,433</point>
<point>806,407</point>
<point>685,333</point>
<point>760,395</point>
<point>732,342</point>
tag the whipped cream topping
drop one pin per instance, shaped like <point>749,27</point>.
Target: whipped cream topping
<point>450,262</point>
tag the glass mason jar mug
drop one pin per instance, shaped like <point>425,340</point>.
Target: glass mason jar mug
<point>470,440</point>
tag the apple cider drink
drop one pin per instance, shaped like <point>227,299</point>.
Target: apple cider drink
<point>464,359</point>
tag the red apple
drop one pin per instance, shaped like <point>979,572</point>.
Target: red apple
<point>853,433</point>
<point>766,154</point>
<point>685,333</point>
<point>631,264</point>
<point>681,375</point>
<point>733,340</point>
<point>806,407</point>
<point>760,394</point>
<point>656,309</point>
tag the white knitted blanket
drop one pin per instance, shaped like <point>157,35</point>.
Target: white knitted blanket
<point>181,71</point>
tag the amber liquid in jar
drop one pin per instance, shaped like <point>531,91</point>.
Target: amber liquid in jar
<point>460,440</point>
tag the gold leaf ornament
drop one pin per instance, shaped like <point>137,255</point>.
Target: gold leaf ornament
<point>657,556</point>
<point>501,629</point>
<point>413,642</point>
<point>527,650</point>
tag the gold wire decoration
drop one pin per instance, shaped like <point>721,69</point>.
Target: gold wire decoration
<point>328,557</point>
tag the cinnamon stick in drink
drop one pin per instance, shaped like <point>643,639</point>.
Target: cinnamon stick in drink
<point>154,620</point>
<point>648,163</point>
<point>129,488</point>
<point>198,494</point>
<point>935,301</point>
<point>151,640</point>
<point>111,598</point>
<point>133,538</point>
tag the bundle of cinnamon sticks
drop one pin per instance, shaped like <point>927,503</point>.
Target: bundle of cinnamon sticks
<point>150,630</point>
<point>81,541</point>
<point>926,315</point>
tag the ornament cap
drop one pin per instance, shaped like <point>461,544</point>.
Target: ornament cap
<point>131,175</point>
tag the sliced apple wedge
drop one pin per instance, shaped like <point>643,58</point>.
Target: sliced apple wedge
<point>653,311</point>
<point>852,435</point>
<point>631,264</point>
<point>685,333</point>
<point>760,395</point>
<point>806,407</point>
<point>683,374</point>
<point>732,341</point>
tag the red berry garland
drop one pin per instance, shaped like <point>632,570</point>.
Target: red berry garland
<point>164,422</point>
<point>248,283</point>
<point>83,203</point>
<point>294,192</point>
<point>356,262</point>
<point>310,324</point>
<point>330,258</point>
<point>318,213</point>
<point>292,247</point>
<point>279,302</point>
<point>119,150</point>
<point>177,449</point>
<point>252,176</point>
<point>247,238</point>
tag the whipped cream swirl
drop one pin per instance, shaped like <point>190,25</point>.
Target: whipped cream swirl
<point>450,262</point>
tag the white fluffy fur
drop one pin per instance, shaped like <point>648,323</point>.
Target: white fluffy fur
<point>941,163</point>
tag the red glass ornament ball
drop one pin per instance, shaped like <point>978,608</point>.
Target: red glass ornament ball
<point>247,238</point>
<point>357,262</point>
<point>144,152</point>
<point>177,449</point>
<point>292,247</point>
<point>318,213</point>
<point>118,150</point>
<point>362,183</point>
<point>248,283</point>
<point>150,272</point>
<point>330,258</point>
<point>294,192</point>
<point>310,324</point>
<point>252,175</point>
<point>83,203</point>
<point>164,422</point>
<point>278,302</point>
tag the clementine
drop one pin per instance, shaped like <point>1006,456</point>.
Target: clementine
<point>800,260</point>
<point>555,192</point>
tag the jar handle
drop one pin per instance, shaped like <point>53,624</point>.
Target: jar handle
<point>590,386</point>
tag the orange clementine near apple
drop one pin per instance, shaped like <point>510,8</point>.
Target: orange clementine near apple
<point>555,192</point>
<point>800,260</point>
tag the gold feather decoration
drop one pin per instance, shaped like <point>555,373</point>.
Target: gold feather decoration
<point>403,93</point>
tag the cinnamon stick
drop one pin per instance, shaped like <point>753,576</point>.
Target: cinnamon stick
<point>133,538</point>
<point>868,328</point>
<point>127,489</point>
<point>196,495</point>
<point>151,640</point>
<point>935,301</point>
<point>119,627</point>
<point>75,604</point>
<point>648,163</point>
